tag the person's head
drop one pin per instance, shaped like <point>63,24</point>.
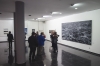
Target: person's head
<point>55,33</point>
<point>52,32</point>
<point>9,32</point>
<point>42,33</point>
<point>33,33</point>
<point>37,33</point>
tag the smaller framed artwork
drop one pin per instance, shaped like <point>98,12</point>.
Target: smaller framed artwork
<point>33,30</point>
<point>50,31</point>
<point>6,31</point>
<point>25,30</point>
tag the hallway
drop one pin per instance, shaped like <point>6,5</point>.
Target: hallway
<point>66,57</point>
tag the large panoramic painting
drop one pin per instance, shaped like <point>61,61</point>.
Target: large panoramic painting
<point>80,32</point>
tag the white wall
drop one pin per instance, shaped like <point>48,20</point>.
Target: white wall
<point>33,25</point>
<point>3,25</point>
<point>90,15</point>
<point>10,26</point>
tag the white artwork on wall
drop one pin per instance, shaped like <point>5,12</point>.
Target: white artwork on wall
<point>5,31</point>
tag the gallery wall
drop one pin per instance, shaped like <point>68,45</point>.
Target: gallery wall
<point>94,15</point>
<point>8,24</point>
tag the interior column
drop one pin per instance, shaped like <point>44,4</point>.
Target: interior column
<point>19,34</point>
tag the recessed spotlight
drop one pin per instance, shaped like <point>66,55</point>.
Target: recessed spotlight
<point>56,13</point>
<point>29,15</point>
<point>76,8</point>
<point>47,16</point>
<point>72,4</point>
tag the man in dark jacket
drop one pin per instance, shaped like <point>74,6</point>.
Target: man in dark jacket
<point>32,40</point>
<point>10,38</point>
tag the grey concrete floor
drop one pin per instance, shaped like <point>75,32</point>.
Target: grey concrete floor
<point>66,57</point>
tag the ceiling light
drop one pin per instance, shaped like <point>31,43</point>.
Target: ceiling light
<point>47,16</point>
<point>77,4</point>
<point>56,13</point>
<point>40,18</point>
<point>76,8</point>
<point>0,13</point>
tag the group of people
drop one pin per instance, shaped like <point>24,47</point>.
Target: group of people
<point>54,38</point>
<point>36,41</point>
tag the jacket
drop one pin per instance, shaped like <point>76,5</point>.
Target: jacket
<point>41,40</point>
<point>10,37</point>
<point>32,40</point>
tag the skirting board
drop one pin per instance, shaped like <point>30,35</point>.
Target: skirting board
<point>79,49</point>
<point>7,41</point>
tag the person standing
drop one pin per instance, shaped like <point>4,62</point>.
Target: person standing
<point>51,36</point>
<point>33,43</point>
<point>41,40</point>
<point>10,38</point>
<point>55,39</point>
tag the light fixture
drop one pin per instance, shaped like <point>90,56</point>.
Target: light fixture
<point>76,8</point>
<point>0,13</point>
<point>77,4</point>
<point>47,16</point>
<point>56,13</point>
<point>40,18</point>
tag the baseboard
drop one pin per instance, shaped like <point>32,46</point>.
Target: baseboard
<point>79,49</point>
<point>3,41</point>
<point>7,41</point>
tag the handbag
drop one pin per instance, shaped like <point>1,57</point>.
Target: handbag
<point>50,49</point>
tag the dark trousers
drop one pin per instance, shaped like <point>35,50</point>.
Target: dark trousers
<point>10,47</point>
<point>40,50</point>
<point>32,53</point>
<point>55,47</point>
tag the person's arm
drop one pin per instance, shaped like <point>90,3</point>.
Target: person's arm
<point>51,37</point>
<point>28,39</point>
<point>36,41</point>
<point>43,38</point>
<point>12,37</point>
<point>7,35</point>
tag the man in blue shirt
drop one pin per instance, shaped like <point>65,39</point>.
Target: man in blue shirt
<point>41,40</point>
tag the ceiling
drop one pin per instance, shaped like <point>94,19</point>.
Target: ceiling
<point>38,8</point>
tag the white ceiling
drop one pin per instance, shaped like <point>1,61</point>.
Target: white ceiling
<point>38,8</point>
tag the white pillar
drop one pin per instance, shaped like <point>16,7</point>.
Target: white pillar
<point>19,34</point>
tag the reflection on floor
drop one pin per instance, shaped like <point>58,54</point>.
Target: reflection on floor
<point>74,60</point>
<point>65,57</point>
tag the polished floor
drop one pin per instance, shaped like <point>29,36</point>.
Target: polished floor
<point>65,57</point>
